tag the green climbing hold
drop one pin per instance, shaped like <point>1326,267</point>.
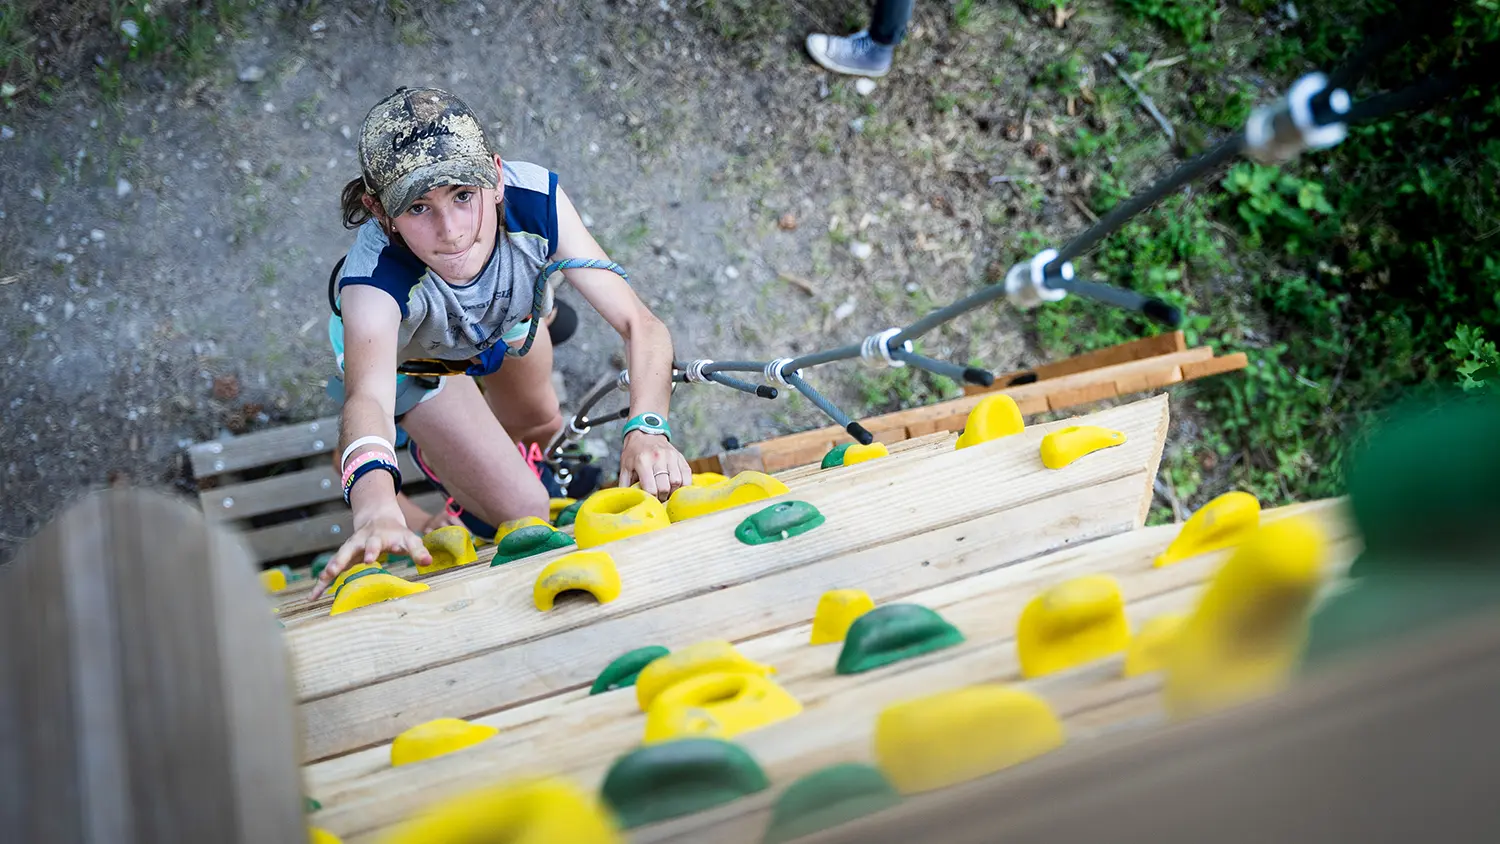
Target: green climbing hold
<point>1426,488</point>
<point>310,805</point>
<point>835,456</point>
<point>356,576</point>
<point>568,514</point>
<point>676,778</point>
<point>625,668</point>
<point>827,798</point>
<point>892,633</point>
<point>320,562</point>
<point>1424,491</point>
<point>528,542</point>
<point>777,522</point>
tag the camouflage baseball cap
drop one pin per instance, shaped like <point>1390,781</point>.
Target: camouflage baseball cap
<point>418,139</point>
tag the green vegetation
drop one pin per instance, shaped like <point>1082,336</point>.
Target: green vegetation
<point>1351,276</point>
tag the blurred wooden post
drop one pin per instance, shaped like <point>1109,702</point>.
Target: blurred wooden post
<point>144,684</point>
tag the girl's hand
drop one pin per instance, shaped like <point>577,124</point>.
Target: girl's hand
<point>651,459</point>
<point>385,530</point>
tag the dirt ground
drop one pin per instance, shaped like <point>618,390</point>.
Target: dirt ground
<point>164,253</point>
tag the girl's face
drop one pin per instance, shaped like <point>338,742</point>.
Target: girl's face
<point>452,230</point>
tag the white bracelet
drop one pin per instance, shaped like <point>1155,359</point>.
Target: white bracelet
<point>343,461</point>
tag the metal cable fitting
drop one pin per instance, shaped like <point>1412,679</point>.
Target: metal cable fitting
<point>695,371</point>
<point>622,383</point>
<point>1280,131</point>
<point>876,348</point>
<point>1025,284</point>
<point>774,374</point>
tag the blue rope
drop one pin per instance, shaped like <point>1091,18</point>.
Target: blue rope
<point>540,288</point>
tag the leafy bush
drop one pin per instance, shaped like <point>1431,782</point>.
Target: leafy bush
<point>1191,19</point>
<point>1478,359</point>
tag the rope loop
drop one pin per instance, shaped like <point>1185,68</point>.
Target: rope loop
<point>876,348</point>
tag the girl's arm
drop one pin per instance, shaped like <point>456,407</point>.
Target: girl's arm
<point>649,458</point>
<point>371,322</point>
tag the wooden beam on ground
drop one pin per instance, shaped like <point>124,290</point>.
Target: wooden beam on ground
<point>443,631</point>
<point>808,446</point>
<point>319,533</point>
<point>146,696</point>
<point>285,492</point>
<point>1146,347</point>
<point>263,448</point>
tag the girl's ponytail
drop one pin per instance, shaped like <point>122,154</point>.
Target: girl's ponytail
<point>353,202</point>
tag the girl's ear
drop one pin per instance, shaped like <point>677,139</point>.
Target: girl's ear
<point>499,166</point>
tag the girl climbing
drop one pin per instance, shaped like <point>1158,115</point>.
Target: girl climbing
<point>446,286</point>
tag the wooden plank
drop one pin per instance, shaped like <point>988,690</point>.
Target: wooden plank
<point>951,415</point>
<point>146,693</point>
<point>1373,752</point>
<point>742,460</point>
<point>796,663</point>
<point>318,485</point>
<point>571,659</point>
<point>1217,366</point>
<point>318,533</point>
<point>494,610</point>
<point>903,450</point>
<point>582,737</point>
<point>1063,399</point>
<point>262,448</point>
<point>710,463</point>
<point>1146,347</point>
<point>295,609</point>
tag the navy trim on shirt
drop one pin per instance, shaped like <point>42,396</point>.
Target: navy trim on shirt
<point>533,212</point>
<point>397,271</point>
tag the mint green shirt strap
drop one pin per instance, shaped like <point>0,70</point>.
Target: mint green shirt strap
<point>651,423</point>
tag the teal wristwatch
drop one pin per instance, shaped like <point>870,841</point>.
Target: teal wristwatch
<point>651,423</point>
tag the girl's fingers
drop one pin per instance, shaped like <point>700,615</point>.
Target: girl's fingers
<point>648,478</point>
<point>419,552</point>
<point>674,473</point>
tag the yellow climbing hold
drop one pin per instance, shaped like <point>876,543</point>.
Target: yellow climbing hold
<point>538,811</point>
<point>593,572</point>
<point>1074,622</point>
<point>1149,648</point>
<point>437,737</point>
<point>612,514</point>
<point>450,546</point>
<point>370,589</point>
<point>1227,520</point>
<point>708,478</point>
<point>317,835</point>
<point>554,507</point>
<point>955,736</point>
<point>274,580</point>
<point>344,575</point>
<point>994,417</point>
<point>837,609</point>
<point>719,704</point>
<point>857,453</point>
<point>506,528</point>
<point>1062,447</point>
<point>1244,637</point>
<point>712,656</point>
<point>747,487</point>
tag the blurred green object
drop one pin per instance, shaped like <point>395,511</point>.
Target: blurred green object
<point>1425,492</point>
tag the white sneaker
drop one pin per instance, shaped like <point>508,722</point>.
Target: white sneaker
<point>855,55</point>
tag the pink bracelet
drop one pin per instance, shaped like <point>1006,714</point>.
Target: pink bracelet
<point>360,461</point>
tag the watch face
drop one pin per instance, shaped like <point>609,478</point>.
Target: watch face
<point>653,420</point>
